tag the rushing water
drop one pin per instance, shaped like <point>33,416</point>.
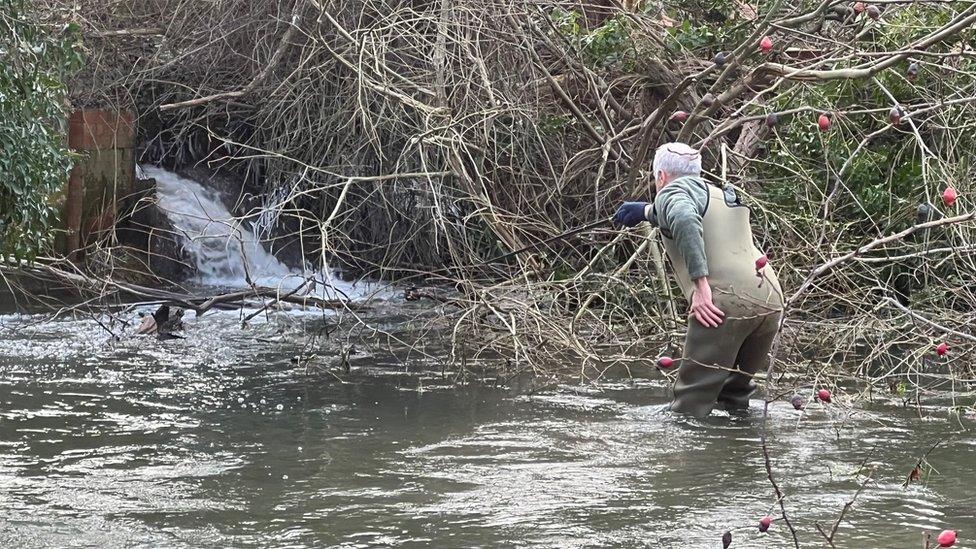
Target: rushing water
<point>219,440</point>
<point>224,248</point>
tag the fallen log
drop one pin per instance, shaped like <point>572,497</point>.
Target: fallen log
<point>86,284</point>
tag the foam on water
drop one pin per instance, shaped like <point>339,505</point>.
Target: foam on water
<point>226,252</point>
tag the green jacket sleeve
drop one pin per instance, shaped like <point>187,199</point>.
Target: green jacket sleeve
<point>678,210</point>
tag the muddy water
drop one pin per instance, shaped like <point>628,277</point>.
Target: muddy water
<point>220,441</point>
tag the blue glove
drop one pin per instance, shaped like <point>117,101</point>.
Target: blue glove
<point>630,214</point>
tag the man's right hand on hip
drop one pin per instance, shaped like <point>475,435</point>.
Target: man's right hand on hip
<point>702,306</point>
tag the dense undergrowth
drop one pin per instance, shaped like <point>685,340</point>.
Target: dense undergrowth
<point>414,140</point>
<point>35,61</point>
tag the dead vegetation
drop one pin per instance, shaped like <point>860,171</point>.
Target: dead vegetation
<point>416,139</point>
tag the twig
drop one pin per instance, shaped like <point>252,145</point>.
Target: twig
<point>874,244</point>
<point>779,494</point>
<point>258,79</point>
<point>924,320</point>
<point>833,531</point>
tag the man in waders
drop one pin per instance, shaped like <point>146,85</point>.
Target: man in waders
<point>735,306</point>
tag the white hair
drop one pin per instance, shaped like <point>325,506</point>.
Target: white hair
<point>677,160</point>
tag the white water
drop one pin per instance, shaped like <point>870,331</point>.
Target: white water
<point>225,251</point>
<point>273,205</point>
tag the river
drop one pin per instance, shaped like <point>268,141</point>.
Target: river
<point>220,440</point>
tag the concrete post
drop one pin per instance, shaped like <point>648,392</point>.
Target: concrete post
<point>104,176</point>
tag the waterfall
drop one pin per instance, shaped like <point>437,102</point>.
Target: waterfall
<point>223,248</point>
<point>274,202</point>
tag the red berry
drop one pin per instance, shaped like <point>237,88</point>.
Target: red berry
<point>823,122</point>
<point>665,362</point>
<point>766,44</point>
<point>761,263</point>
<point>859,7</point>
<point>823,395</point>
<point>680,116</point>
<point>947,538</point>
<point>942,349</point>
<point>765,523</point>
<point>949,196</point>
<point>894,115</point>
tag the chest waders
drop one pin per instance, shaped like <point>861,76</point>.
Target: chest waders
<point>718,363</point>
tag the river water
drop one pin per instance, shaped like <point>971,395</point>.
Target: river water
<point>220,440</point>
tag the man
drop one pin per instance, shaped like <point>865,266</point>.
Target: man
<point>735,305</point>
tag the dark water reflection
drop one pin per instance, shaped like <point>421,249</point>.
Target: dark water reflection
<point>220,441</point>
